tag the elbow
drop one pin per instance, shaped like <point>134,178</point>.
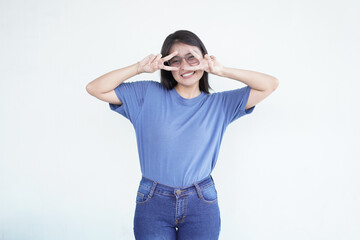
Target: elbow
<point>275,84</point>
<point>89,89</point>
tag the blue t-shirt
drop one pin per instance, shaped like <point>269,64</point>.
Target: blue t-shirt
<point>178,139</point>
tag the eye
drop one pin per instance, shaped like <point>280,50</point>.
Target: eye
<point>174,60</point>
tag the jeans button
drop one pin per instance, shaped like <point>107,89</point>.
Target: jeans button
<point>178,192</point>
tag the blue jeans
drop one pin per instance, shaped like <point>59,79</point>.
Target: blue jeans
<point>164,212</point>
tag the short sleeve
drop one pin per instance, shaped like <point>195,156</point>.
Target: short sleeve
<point>234,102</point>
<point>132,95</point>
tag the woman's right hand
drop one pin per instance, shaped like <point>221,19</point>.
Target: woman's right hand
<point>153,63</point>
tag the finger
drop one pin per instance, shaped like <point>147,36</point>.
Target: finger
<point>195,54</point>
<point>157,57</point>
<point>146,58</point>
<point>213,57</point>
<point>151,58</point>
<point>170,56</point>
<point>167,68</point>
<point>210,61</point>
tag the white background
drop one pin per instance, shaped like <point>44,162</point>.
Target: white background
<point>69,165</point>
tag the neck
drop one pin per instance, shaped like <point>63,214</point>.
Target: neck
<point>188,91</point>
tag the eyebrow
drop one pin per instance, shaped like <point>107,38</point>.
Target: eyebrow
<point>184,55</point>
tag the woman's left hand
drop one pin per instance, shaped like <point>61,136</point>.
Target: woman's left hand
<point>208,64</point>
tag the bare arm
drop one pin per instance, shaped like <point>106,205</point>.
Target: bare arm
<point>103,86</point>
<point>262,85</point>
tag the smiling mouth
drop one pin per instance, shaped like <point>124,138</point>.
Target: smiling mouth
<point>187,74</point>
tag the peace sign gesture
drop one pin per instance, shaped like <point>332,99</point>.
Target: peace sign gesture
<point>153,63</point>
<point>208,64</point>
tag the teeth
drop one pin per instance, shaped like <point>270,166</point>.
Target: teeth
<point>187,74</point>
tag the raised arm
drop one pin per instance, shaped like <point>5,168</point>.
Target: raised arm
<point>103,86</point>
<point>262,85</point>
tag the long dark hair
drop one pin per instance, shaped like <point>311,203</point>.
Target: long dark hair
<point>189,38</point>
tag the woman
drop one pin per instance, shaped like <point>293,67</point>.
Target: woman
<point>179,126</point>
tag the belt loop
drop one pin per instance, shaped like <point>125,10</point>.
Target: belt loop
<point>198,190</point>
<point>152,189</point>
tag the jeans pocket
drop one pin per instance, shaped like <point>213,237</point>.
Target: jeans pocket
<point>209,194</point>
<point>143,194</point>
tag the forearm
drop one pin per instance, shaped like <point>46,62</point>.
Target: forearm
<point>111,80</point>
<point>255,80</point>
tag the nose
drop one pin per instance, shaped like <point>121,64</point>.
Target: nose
<point>181,63</point>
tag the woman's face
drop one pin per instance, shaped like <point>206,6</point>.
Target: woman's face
<point>184,77</point>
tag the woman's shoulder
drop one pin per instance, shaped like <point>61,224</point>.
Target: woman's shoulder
<point>154,86</point>
<point>146,83</point>
<point>150,83</point>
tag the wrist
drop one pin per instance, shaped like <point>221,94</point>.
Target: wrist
<point>222,71</point>
<point>138,70</point>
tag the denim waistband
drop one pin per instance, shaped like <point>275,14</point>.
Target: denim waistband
<point>159,188</point>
